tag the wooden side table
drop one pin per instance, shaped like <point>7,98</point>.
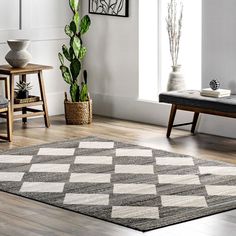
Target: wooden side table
<point>26,108</point>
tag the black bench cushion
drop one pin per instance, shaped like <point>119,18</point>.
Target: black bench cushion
<point>193,98</point>
<point>3,102</point>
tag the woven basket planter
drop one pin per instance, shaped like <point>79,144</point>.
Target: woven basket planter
<point>78,113</point>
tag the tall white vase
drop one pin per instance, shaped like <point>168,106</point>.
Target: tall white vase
<point>176,79</point>
<point>18,57</point>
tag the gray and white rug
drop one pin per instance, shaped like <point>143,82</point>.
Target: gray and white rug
<point>134,186</point>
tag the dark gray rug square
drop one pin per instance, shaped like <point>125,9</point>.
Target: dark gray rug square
<point>134,186</point>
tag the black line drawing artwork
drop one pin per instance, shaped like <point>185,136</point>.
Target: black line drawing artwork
<point>109,7</point>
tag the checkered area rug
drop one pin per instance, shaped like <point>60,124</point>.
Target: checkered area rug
<point>134,186</point>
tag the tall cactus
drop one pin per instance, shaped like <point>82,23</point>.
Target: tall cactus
<point>75,53</point>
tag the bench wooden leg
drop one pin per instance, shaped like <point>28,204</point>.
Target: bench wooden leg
<point>171,120</point>
<point>195,119</point>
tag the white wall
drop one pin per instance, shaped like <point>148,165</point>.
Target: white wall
<point>219,56</point>
<point>112,64</point>
<point>41,21</point>
<point>219,59</point>
<point>112,57</point>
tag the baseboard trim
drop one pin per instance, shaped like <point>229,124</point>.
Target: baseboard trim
<point>157,114</point>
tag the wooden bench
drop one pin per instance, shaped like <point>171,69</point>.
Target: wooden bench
<point>191,100</point>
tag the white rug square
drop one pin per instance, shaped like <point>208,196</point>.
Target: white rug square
<point>86,199</point>
<point>140,189</point>
<point>133,152</point>
<point>56,151</point>
<point>96,145</point>
<point>99,160</point>
<point>216,170</point>
<point>11,176</point>
<point>135,212</point>
<point>221,190</point>
<point>15,159</point>
<point>183,201</point>
<point>90,178</point>
<point>174,161</point>
<point>179,179</point>
<point>42,187</point>
<point>53,168</point>
<point>134,169</point>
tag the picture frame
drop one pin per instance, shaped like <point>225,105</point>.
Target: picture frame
<point>118,8</point>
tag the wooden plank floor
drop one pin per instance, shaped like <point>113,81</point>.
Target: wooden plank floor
<point>19,216</point>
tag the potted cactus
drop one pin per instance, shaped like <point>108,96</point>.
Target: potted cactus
<point>78,110</point>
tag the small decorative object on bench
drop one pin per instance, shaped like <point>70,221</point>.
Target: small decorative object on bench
<point>219,93</point>
<point>214,84</point>
<point>215,91</point>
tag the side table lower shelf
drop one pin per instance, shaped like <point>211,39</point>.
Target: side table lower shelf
<point>29,104</point>
<point>33,114</point>
<point>26,107</point>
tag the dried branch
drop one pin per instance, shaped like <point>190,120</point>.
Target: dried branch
<point>174,29</point>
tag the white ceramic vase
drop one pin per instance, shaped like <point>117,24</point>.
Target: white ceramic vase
<point>18,56</point>
<point>176,79</point>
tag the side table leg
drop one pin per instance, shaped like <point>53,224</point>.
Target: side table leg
<point>9,111</point>
<point>24,111</point>
<point>12,95</point>
<point>9,124</point>
<point>43,97</point>
<point>171,120</point>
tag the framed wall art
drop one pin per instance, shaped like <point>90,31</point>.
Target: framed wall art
<point>109,7</point>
